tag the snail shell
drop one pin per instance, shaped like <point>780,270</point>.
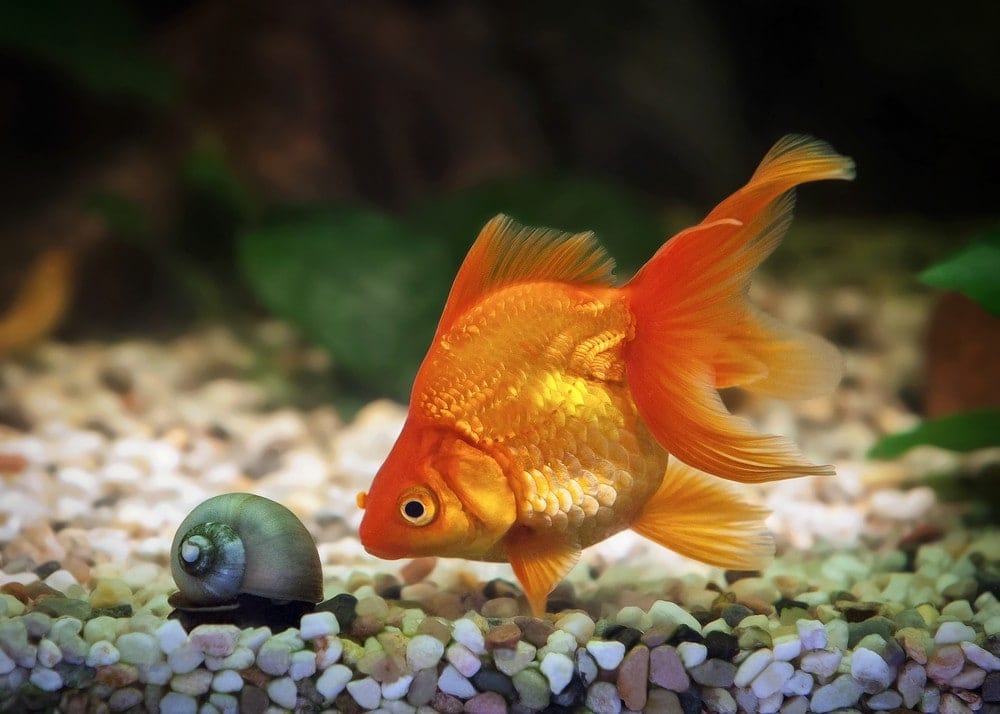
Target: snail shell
<point>241,544</point>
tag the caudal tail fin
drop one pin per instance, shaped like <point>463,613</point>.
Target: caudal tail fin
<point>696,332</point>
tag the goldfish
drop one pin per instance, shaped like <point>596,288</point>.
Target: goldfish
<point>554,409</point>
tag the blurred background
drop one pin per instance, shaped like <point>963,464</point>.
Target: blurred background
<point>166,165</point>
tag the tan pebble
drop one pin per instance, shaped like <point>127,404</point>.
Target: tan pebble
<point>12,464</point>
<point>109,592</point>
<point>117,675</point>
<point>17,590</point>
<point>760,607</point>
<point>632,675</point>
<point>500,607</point>
<point>446,604</point>
<point>78,567</point>
<point>44,538</point>
<point>417,569</point>
<point>366,626</point>
<point>505,636</point>
<point>789,586</point>
<point>435,628</point>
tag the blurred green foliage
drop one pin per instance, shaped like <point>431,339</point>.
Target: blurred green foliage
<point>97,43</point>
<point>975,272</point>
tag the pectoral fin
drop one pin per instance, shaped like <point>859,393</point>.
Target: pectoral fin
<point>539,563</point>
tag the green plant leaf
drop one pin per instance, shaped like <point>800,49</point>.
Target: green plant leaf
<point>960,432</point>
<point>95,42</point>
<point>974,271</point>
<point>359,283</point>
<point>627,227</point>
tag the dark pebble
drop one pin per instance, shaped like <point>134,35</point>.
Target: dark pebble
<point>59,606</point>
<point>490,680</point>
<point>20,564</point>
<point>690,701</point>
<point>721,645</point>
<point>628,636</point>
<point>253,700</point>
<point>714,673</point>
<point>991,687</point>
<point>894,653</point>
<point>877,625</point>
<point>733,575</point>
<point>14,415</point>
<point>988,580</point>
<point>684,633</point>
<point>446,704</point>
<point>46,569</point>
<point>422,687</point>
<point>116,611</point>
<point>75,676</point>
<point>343,607</point>
<point>838,595</point>
<point>501,588</point>
<point>535,631</point>
<point>562,598</point>
<point>858,611</point>
<point>786,603</point>
<point>909,618</point>
<point>658,635</point>
<point>117,378</point>
<point>572,696</point>
<point>734,614</point>
<point>992,644</point>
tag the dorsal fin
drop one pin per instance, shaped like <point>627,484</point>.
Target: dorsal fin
<point>507,252</point>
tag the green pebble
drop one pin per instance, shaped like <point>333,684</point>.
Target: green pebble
<point>753,638</point>
<point>532,688</point>
<point>791,615</point>
<point>65,606</point>
<point>909,618</point>
<point>118,611</point>
<point>878,625</point>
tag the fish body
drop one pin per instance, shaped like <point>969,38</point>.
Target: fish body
<point>554,409</point>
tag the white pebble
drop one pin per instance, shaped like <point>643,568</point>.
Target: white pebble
<point>786,647</point>
<point>602,698</point>
<point>282,692</point>
<point>274,657</point>
<point>885,700</point>
<point>754,664</point>
<point>607,654</point>
<point>170,635</point>
<point>223,703</point>
<point>772,679</point>
<point>398,688</point>
<point>138,648</point>
<point>195,683</point>
<point>49,654</point>
<point>692,653</point>
<point>973,652</point>
<point>330,654</point>
<point>215,640</point>
<point>333,680</point>
<point>467,632</point>
<point>812,634</point>
<point>227,680</point>
<point>841,693</point>
<point>870,670</point>
<point>7,665</point>
<point>177,703</point>
<point>366,692</point>
<point>510,662</point>
<point>837,634</point>
<point>240,659</point>
<point>799,683</point>
<point>462,658</point>
<point>452,682</point>
<point>664,612</point>
<point>185,658</point>
<point>579,625</point>
<point>255,638</point>
<point>822,663</point>
<point>562,642</point>
<point>303,665</point>
<point>318,624</point>
<point>61,580</point>
<point>102,652</point>
<point>46,679</point>
<point>558,668</point>
<point>158,673</point>
<point>950,633</point>
<point>424,651</point>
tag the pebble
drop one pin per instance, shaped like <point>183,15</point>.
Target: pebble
<point>870,670</point>
<point>467,633</point>
<point>812,634</point>
<point>771,679</point>
<point>275,657</point>
<point>532,689</point>
<point>799,683</point>
<point>980,657</point>
<point>608,655</point>
<point>318,624</point>
<point>333,680</point>
<point>841,693</point>
<point>397,689</point>
<point>463,659</point>
<point>138,648</point>
<point>170,635</point>
<point>303,665</point>
<point>424,651</point>
<point>602,698</point>
<point>753,665</point>
<point>101,653</point>
<point>46,679</point>
<point>822,663</point>
<point>664,612</point>
<point>177,703</point>
<point>666,669</point>
<point>953,632</point>
<point>185,657</point>
<point>195,683</point>
<point>719,700</point>
<point>692,653</point>
<point>215,640</point>
<point>451,681</point>
<point>510,662</point>
<point>633,676</point>
<point>945,663</point>
<point>558,669</point>
<point>366,692</point>
<point>227,681</point>
<point>578,624</point>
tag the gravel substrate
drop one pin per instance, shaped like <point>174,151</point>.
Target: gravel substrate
<point>880,598</point>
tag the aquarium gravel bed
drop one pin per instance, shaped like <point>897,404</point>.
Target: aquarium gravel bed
<point>880,598</point>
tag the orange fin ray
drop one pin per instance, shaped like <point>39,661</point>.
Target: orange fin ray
<point>539,563</point>
<point>695,330</point>
<point>696,515</point>
<point>507,252</point>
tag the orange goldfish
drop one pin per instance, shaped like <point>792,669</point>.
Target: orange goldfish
<point>554,409</point>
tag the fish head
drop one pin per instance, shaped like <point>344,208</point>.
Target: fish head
<point>436,495</point>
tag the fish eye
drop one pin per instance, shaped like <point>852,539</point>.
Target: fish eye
<point>417,506</point>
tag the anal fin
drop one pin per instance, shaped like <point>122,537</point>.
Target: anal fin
<point>539,563</point>
<point>700,516</point>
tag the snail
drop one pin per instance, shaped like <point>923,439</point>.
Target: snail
<point>241,551</point>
